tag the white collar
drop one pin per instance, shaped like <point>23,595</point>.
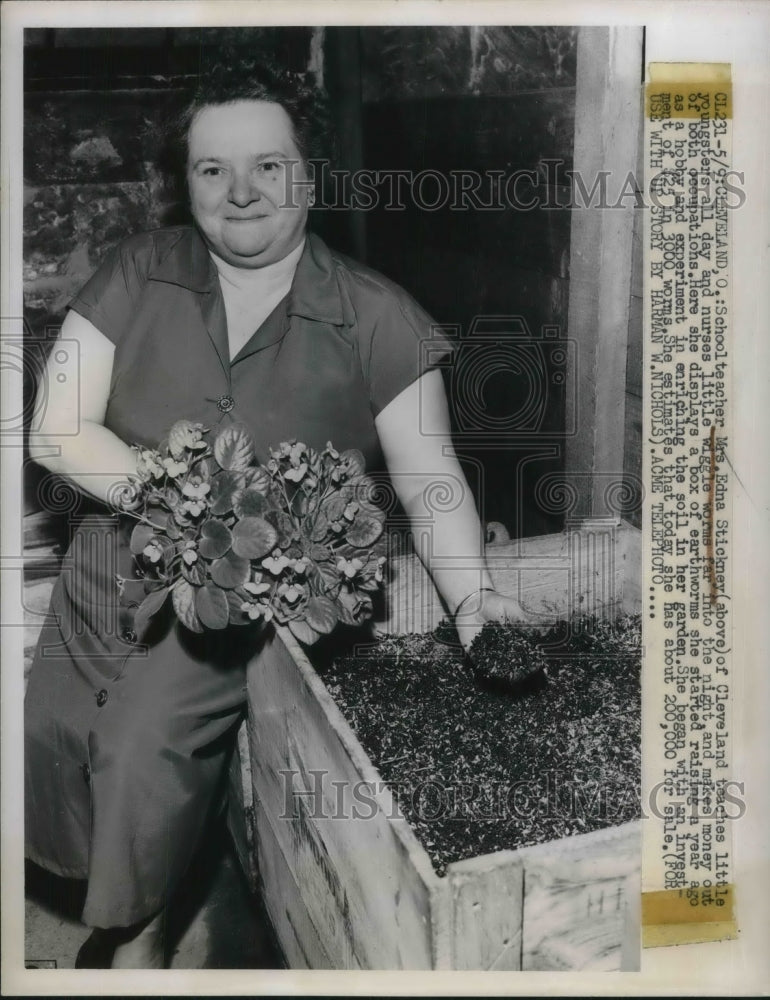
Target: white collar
<point>251,279</point>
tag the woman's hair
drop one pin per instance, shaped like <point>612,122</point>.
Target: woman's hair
<point>238,78</point>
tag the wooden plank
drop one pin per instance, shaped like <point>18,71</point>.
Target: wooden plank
<point>559,905</point>
<point>575,899</point>
<point>375,916</point>
<point>632,433</point>
<point>301,942</point>
<point>630,560</point>
<point>486,901</point>
<point>633,450</point>
<point>608,77</point>
<point>240,814</point>
<point>577,571</point>
<point>595,581</point>
<point>42,528</point>
<point>630,946</point>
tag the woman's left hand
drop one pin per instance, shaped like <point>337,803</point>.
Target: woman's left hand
<point>487,606</point>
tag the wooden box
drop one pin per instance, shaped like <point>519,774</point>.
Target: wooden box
<point>344,878</point>
<point>346,892</point>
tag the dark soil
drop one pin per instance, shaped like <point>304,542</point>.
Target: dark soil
<point>499,757</point>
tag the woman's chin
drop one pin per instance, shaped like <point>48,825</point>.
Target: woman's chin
<point>246,246</point>
<point>253,253</point>
<point>248,256</point>
<point>244,256</point>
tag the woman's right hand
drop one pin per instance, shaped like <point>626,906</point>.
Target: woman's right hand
<point>487,606</point>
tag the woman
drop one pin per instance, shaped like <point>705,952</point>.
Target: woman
<point>127,741</point>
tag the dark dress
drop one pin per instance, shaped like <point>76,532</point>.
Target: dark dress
<point>127,741</point>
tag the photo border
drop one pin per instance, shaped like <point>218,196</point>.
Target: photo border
<point>720,31</point>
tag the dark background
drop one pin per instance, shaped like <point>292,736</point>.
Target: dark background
<point>440,98</point>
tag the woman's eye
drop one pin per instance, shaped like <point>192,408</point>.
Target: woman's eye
<point>212,171</point>
<point>269,166</point>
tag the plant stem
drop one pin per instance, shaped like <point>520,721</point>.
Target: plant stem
<point>143,518</point>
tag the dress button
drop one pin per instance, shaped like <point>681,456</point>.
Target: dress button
<point>85,770</point>
<point>128,635</point>
<point>225,403</point>
<point>101,698</point>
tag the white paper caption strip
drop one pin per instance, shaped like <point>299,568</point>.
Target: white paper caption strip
<point>689,789</point>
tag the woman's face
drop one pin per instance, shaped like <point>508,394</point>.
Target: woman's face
<point>245,176</point>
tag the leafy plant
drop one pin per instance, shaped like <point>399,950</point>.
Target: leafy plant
<point>298,541</point>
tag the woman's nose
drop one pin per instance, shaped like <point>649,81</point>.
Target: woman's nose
<point>242,191</point>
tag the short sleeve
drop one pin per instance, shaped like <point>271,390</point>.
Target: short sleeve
<point>108,297</point>
<point>400,345</point>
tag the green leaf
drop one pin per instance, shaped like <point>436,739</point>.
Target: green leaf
<point>172,529</point>
<point>365,608</point>
<point>235,599</point>
<point>354,461</point>
<point>140,536</point>
<point>216,539</point>
<point>294,551</point>
<point>183,599</point>
<point>254,537</point>
<point>329,576</point>
<point>224,486</point>
<point>167,545</point>
<point>300,505</point>
<point>334,508</point>
<point>211,605</point>
<point>346,616</point>
<point>234,448</point>
<point>284,526</point>
<point>320,527</point>
<point>304,632</point>
<point>353,608</point>
<point>258,479</point>
<point>194,573</point>
<point>177,437</point>
<point>172,497</point>
<point>321,614</point>
<point>149,606</point>
<point>365,530</point>
<point>230,571</point>
<point>206,466</point>
<point>250,503</point>
<point>363,489</point>
<point>163,521</point>
<point>320,553</point>
<point>382,547</point>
